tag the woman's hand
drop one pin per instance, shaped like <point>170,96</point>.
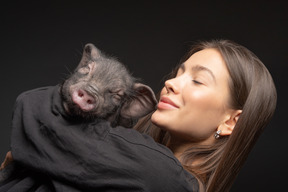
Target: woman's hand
<point>8,159</point>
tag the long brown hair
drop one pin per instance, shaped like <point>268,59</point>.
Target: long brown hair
<point>253,91</point>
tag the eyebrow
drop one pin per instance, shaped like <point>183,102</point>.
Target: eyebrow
<point>198,68</point>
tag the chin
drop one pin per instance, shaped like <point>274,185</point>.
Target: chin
<point>158,119</point>
<point>154,116</point>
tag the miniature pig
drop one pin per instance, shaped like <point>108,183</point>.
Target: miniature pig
<point>102,87</point>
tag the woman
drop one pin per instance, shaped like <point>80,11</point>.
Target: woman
<point>210,113</point>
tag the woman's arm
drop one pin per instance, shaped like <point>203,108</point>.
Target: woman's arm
<point>90,155</point>
<point>104,157</point>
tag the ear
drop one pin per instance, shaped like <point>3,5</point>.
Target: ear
<point>138,106</point>
<point>229,123</point>
<point>90,52</point>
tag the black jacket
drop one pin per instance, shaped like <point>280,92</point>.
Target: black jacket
<point>55,152</point>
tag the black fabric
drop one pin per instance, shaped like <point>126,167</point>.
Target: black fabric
<point>61,153</point>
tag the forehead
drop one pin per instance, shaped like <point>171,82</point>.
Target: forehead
<point>210,59</point>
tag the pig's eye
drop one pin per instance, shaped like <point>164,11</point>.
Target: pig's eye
<point>116,99</point>
<point>116,95</point>
<point>84,70</point>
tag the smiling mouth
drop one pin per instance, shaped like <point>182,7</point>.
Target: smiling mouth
<point>166,103</point>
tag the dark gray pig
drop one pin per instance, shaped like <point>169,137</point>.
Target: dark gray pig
<point>101,87</point>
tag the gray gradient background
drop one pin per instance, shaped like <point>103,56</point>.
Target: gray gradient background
<point>42,41</point>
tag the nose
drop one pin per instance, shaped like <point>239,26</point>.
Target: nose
<point>173,85</point>
<point>85,101</point>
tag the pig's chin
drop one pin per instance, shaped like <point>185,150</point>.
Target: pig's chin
<point>76,111</point>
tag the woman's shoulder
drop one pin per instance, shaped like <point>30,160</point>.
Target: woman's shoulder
<point>156,163</point>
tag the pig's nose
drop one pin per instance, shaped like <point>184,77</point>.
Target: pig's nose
<point>83,99</point>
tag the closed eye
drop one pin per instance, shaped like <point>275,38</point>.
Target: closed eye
<point>197,82</point>
<point>117,94</point>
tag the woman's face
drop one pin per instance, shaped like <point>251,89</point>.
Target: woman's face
<point>194,103</point>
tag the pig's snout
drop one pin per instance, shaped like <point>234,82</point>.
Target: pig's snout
<point>83,99</point>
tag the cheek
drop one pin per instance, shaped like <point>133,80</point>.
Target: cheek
<point>204,100</point>
<point>205,106</point>
<point>201,114</point>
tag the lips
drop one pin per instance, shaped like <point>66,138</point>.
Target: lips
<point>166,103</point>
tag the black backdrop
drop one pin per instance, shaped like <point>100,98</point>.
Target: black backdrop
<point>41,42</point>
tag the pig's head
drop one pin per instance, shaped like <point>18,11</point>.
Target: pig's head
<point>101,87</point>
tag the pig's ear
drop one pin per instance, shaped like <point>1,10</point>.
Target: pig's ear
<point>90,52</point>
<point>141,104</point>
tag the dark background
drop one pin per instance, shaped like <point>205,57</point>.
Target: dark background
<point>41,42</point>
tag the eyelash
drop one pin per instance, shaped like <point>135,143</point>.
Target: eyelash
<point>197,82</point>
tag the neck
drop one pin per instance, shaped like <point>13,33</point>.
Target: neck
<point>179,145</point>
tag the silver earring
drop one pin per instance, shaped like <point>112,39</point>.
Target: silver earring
<point>217,134</point>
